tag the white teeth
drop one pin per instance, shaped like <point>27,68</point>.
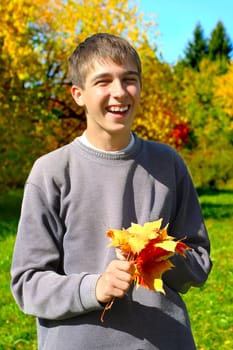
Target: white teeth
<point>118,109</point>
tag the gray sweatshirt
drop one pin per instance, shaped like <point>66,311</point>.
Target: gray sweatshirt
<point>72,197</point>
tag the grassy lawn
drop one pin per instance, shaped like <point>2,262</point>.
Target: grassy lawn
<point>210,307</point>
<point>17,331</point>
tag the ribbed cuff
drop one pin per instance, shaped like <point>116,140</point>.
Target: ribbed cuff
<point>88,292</point>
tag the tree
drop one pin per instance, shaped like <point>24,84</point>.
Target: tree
<point>196,49</point>
<point>160,116</point>
<point>37,113</point>
<point>220,46</point>
<point>223,94</point>
<point>224,91</point>
<point>209,151</point>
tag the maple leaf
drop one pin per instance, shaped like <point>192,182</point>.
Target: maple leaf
<point>167,245</point>
<point>150,247</point>
<point>148,230</point>
<point>119,238</point>
<point>181,248</point>
<point>148,272</point>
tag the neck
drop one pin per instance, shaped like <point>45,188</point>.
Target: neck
<point>109,142</point>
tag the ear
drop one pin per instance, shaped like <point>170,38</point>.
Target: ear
<point>77,94</point>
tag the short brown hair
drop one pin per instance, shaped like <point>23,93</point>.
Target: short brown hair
<point>99,47</point>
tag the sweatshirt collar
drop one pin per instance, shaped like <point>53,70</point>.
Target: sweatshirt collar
<point>83,139</point>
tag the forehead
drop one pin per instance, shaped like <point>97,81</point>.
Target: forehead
<point>112,68</point>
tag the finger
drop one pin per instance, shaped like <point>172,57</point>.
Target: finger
<point>120,265</point>
<point>120,255</point>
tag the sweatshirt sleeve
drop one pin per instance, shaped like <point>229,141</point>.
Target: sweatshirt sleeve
<point>38,283</point>
<point>188,224</point>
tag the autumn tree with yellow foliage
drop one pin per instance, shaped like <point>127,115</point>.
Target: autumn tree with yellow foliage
<point>161,116</point>
<point>179,106</point>
<point>37,111</point>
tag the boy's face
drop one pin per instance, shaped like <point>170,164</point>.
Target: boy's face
<point>110,97</point>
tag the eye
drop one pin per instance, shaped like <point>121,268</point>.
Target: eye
<point>131,79</point>
<point>103,82</point>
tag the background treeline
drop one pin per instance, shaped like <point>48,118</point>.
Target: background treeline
<point>188,105</point>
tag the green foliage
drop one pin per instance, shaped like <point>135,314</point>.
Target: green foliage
<point>196,49</point>
<point>216,48</point>
<point>210,166</point>
<point>220,46</point>
<point>209,151</point>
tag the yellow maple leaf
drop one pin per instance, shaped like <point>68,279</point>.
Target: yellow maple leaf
<point>119,238</point>
<point>150,247</point>
<point>148,230</point>
<point>158,285</point>
<point>167,245</point>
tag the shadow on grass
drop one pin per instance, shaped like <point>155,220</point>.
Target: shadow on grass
<point>10,205</point>
<point>213,191</point>
<point>219,209</point>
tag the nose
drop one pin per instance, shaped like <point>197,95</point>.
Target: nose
<point>118,89</point>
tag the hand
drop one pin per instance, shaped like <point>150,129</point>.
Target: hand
<point>115,281</point>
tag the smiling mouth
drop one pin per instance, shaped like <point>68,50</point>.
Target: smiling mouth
<point>118,109</point>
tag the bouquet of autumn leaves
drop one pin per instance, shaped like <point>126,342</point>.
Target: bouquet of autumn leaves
<point>150,247</point>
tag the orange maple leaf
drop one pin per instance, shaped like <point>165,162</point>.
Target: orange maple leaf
<point>150,247</point>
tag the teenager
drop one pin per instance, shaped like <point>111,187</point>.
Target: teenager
<point>63,271</point>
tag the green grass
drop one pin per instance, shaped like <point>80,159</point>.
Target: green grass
<point>210,307</point>
<point>17,331</point>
